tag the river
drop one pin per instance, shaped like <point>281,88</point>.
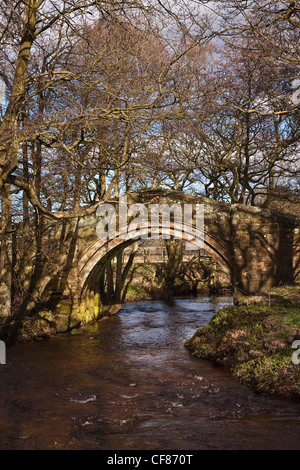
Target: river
<point>127,382</point>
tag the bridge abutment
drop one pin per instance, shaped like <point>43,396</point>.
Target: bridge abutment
<point>263,245</point>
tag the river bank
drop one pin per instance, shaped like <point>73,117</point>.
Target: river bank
<point>254,339</point>
<point>45,324</point>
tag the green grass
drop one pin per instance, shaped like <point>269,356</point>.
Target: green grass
<point>255,343</point>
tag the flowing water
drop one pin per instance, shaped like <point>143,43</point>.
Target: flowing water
<point>129,383</point>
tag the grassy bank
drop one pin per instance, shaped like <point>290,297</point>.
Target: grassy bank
<point>255,342</point>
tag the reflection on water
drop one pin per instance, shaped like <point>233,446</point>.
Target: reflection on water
<point>129,383</point>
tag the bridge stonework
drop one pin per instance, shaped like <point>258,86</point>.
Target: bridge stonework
<point>258,248</point>
<point>265,249</point>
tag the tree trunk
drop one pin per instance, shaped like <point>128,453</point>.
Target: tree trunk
<point>170,270</point>
<point>5,253</point>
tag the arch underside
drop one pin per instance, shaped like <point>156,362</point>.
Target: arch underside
<point>99,253</point>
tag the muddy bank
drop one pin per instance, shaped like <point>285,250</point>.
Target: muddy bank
<point>255,342</point>
<point>45,324</point>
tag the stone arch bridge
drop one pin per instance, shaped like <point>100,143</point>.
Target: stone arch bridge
<point>258,248</point>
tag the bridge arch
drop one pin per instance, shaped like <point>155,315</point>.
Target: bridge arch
<point>258,248</point>
<point>99,252</point>
<point>93,261</point>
